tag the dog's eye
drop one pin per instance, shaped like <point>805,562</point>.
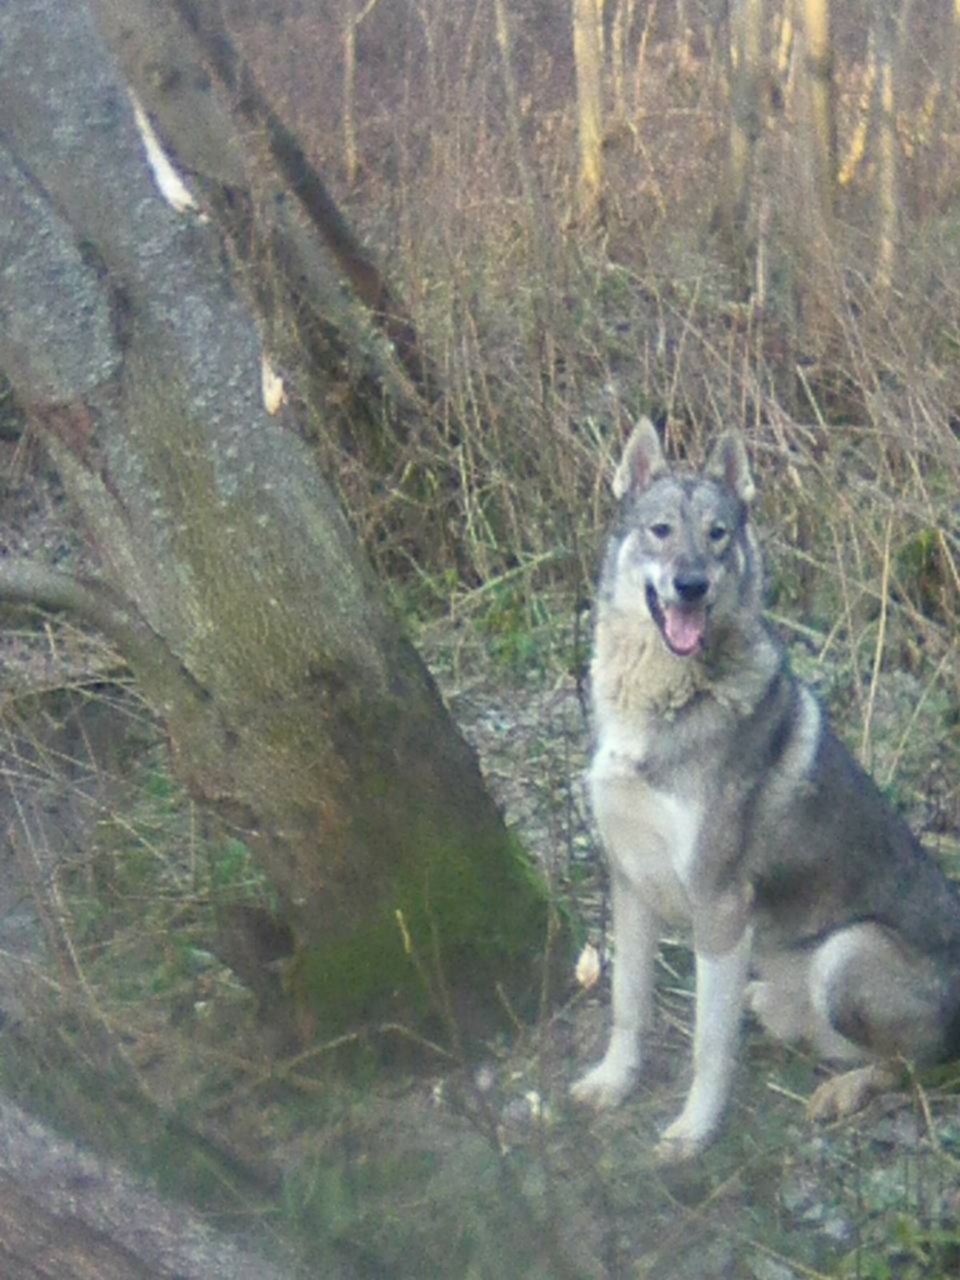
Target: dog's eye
<point>660,530</point>
<point>717,532</point>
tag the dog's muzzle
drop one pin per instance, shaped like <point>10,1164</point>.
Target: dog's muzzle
<point>683,623</point>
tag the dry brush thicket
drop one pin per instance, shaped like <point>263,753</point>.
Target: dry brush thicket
<point>821,313</point>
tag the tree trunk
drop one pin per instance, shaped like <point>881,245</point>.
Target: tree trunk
<point>887,202</point>
<point>819,93</point>
<point>65,1214</point>
<point>179,58</point>
<point>231,580</point>
<point>351,24</point>
<point>817,173</point>
<point>588,57</point>
<point>857,146</point>
<point>746,119</point>
<point>620,32</point>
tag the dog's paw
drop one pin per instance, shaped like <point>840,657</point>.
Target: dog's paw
<point>841,1096</point>
<point>605,1086</point>
<point>682,1141</point>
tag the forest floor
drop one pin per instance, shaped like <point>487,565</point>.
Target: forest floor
<point>126,1031</point>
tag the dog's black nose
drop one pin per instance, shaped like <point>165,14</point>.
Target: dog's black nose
<point>691,587</point>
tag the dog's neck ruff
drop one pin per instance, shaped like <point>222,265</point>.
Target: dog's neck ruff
<point>635,673</point>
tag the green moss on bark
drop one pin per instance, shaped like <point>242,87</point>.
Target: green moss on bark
<point>465,927</point>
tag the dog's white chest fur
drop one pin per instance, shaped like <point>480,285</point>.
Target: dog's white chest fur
<point>651,834</point>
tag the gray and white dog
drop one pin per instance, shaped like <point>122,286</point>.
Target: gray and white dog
<point>726,805</point>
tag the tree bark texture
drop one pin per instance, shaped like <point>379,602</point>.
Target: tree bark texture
<point>813,178</point>
<point>888,203</point>
<point>746,114</point>
<point>821,121</point>
<point>179,57</point>
<point>65,1215</point>
<point>230,576</point>
<point>588,56</point>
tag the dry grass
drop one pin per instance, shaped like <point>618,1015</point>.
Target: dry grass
<point>551,336</point>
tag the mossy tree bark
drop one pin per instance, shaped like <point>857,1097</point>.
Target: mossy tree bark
<point>230,577</point>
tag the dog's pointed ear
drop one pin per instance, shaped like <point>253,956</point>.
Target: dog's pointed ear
<point>642,460</point>
<point>728,463</point>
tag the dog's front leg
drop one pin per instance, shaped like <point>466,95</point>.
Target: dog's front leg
<point>721,982</point>
<point>635,932</point>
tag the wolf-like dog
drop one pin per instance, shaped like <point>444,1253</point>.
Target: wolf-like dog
<point>726,805</point>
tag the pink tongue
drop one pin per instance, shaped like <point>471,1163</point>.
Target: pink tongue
<point>684,628</point>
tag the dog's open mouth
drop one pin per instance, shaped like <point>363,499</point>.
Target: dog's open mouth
<point>681,625</point>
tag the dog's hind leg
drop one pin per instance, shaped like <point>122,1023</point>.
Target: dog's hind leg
<point>721,982</point>
<point>635,932</point>
<point>877,1001</point>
